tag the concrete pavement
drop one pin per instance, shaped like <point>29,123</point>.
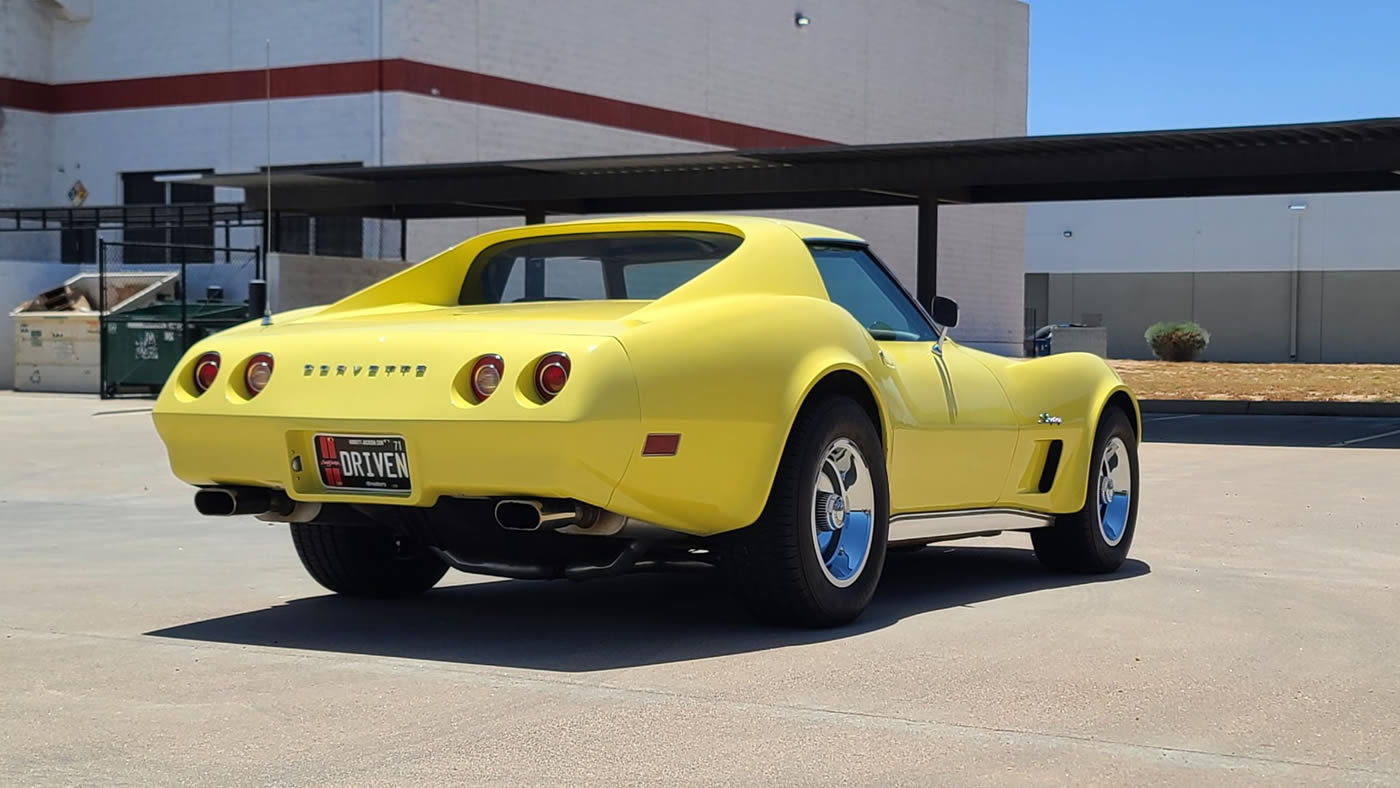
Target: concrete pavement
<point>1252,640</point>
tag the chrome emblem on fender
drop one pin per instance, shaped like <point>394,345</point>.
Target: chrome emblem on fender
<point>1046,418</point>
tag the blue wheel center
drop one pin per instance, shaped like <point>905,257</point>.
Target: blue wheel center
<point>842,506</point>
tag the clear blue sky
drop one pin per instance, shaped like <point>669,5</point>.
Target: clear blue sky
<point>1122,65</point>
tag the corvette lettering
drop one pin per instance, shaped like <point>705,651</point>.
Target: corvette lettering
<point>419,370</point>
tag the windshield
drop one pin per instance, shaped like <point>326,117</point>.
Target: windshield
<point>594,266</point>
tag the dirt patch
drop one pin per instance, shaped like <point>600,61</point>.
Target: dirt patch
<point>1271,382</point>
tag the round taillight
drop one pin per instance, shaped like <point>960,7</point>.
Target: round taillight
<point>258,373</point>
<point>206,369</point>
<point>551,374</point>
<point>486,376</point>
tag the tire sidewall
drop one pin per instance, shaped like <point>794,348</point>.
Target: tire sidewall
<point>1113,425</point>
<point>843,419</point>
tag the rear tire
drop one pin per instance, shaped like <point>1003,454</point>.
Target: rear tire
<point>815,555</point>
<point>1095,539</point>
<point>365,560</point>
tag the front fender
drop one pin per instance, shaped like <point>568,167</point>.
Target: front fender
<point>1074,388</point>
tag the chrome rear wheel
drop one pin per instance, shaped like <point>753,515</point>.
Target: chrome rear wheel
<point>815,554</point>
<point>843,506</point>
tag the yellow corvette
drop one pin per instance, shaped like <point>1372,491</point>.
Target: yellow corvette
<point>589,398</point>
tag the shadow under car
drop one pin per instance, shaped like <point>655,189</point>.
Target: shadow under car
<point>643,619</point>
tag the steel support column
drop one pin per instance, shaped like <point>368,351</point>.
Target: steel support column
<point>926,261</point>
<point>534,266</point>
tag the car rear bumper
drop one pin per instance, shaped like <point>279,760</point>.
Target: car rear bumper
<point>582,460</point>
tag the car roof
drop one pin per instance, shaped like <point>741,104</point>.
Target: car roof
<point>804,230</point>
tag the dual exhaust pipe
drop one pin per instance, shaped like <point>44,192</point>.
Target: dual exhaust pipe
<point>512,514</point>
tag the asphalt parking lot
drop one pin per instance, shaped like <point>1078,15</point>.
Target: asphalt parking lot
<point>1252,640</point>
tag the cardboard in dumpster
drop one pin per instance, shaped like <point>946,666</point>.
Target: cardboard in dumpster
<point>59,299</point>
<point>127,290</point>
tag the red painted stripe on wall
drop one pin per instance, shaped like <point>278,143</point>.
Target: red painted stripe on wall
<point>492,91</point>
<point>23,94</point>
<point>408,76</point>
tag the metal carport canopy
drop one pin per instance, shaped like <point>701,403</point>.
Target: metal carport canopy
<point>1349,156</point>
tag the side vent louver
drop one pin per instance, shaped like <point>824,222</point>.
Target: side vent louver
<point>1052,464</point>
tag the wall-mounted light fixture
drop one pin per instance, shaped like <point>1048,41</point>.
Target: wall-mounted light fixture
<point>800,19</point>
<point>1068,233</point>
<point>1298,205</point>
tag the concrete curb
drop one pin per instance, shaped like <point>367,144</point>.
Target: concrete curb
<point>1261,408</point>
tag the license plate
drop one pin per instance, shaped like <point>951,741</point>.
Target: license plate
<point>363,463</point>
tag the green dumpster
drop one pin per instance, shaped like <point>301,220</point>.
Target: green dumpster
<point>142,346</point>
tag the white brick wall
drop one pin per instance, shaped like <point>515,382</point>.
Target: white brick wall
<point>226,137</point>
<point>142,38</point>
<point>26,37</point>
<point>25,145</point>
<point>863,71</point>
<point>26,41</point>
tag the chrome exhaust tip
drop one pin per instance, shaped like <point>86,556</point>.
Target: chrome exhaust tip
<point>231,501</point>
<point>216,502</point>
<point>531,514</point>
<point>519,514</point>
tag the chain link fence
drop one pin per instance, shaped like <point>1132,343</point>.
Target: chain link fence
<point>156,299</point>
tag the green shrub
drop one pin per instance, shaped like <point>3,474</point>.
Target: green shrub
<point>1178,341</point>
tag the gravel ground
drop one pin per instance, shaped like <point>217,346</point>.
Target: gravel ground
<point>1281,382</point>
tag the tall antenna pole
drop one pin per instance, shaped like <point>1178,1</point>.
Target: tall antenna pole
<point>268,103</point>
<point>267,212</point>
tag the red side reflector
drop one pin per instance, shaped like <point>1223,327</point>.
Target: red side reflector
<point>661,444</point>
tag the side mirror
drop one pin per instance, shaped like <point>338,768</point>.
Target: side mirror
<point>945,312</point>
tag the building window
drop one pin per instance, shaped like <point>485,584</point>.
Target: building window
<point>167,244</point>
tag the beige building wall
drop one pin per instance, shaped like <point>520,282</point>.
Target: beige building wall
<point>1343,316</point>
<point>298,280</point>
<point>1229,264</point>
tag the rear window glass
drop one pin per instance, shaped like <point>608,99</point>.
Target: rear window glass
<point>594,266</point>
